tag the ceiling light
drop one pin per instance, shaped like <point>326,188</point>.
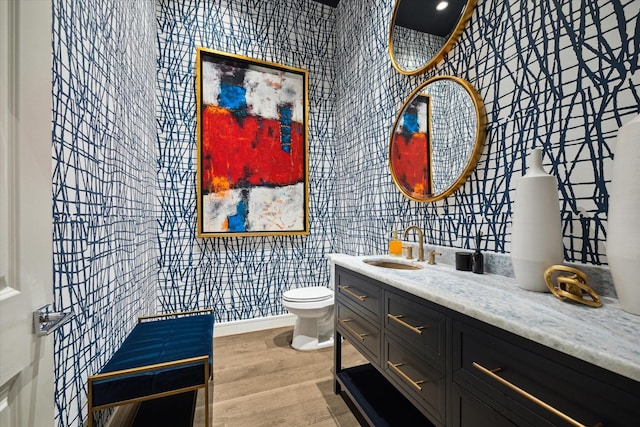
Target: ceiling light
<point>442,5</point>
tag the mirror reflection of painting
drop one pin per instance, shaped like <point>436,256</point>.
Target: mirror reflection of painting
<point>437,138</point>
<point>252,155</point>
<point>410,152</point>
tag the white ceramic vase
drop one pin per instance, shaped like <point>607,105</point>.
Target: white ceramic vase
<point>623,228</point>
<point>536,233</point>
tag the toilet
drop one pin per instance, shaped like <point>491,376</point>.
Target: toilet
<point>313,307</point>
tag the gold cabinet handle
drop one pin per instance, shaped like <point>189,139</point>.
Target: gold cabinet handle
<point>565,417</point>
<point>396,367</point>
<point>397,318</point>
<point>343,322</point>
<point>353,294</point>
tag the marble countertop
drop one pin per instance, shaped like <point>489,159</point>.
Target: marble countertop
<point>606,336</point>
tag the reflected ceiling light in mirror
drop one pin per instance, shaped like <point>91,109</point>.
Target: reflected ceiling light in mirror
<point>420,36</point>
<point>442,5</point>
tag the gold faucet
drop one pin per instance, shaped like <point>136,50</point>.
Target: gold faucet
<point>420,237</point>
<point>432,257</point>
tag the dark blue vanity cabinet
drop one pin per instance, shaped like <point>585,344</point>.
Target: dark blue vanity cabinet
<point>513,380</point>
<point>430,365</point>
<point>414,353</point>
<point>404,383</point>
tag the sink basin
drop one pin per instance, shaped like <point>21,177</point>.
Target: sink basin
<point>392,264</point>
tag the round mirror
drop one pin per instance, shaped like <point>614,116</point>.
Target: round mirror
<point>437,138</point>
<point>423,31</point>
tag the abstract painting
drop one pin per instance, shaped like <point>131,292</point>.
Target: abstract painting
<point>252,146</point>
<point>410,149</point>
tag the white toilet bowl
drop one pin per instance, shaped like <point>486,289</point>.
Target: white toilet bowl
<point>313,307</point>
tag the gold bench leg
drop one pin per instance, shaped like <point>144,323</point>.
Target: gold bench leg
<point>89,405</point>
<point>206,394</point>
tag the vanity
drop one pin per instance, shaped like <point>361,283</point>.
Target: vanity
<point>454,348</point>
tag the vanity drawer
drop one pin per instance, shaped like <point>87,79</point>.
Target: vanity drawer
<point>421,382</point>
<point>418,324</point>
<point>534,381</point>
<point>359,292</point>
<point>360,332</point>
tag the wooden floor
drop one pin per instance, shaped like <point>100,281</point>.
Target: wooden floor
<point>259,380</point>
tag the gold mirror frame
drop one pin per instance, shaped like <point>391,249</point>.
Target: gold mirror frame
<point>475,151</point>
<point>453,37</point>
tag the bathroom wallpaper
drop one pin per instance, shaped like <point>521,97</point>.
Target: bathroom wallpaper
<point>240,277</point>
<point>413,47</point>
<point>105,251</point>
<point>561,75</point>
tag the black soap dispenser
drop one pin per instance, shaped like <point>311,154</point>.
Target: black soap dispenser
<point>478,259</point>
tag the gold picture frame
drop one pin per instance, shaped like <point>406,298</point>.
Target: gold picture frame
<point>252,136</point>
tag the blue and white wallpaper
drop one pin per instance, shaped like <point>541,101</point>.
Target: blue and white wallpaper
<point>105,250</point>
<point>412,49</point>
<point>241,278</point>
<point>560,75</point>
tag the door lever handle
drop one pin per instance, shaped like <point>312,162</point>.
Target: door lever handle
<point>45,322</point>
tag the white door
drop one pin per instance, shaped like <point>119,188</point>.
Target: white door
<point>26,361</point>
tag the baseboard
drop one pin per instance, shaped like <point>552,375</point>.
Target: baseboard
<point>252,325</point>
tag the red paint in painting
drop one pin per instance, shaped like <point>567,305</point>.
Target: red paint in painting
<point>410,162</point>
<point>247,152</point>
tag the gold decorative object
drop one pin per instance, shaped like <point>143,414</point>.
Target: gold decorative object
<point>572,284</point>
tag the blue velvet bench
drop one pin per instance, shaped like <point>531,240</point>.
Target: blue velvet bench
<point>163,355</point>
